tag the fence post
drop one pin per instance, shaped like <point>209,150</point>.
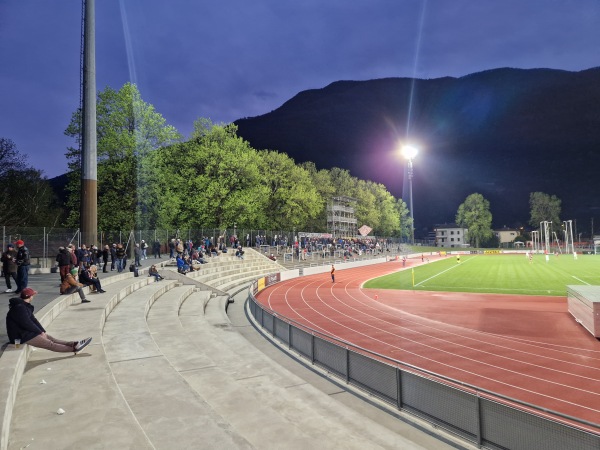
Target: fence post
<point>478,412</point>
<point>44,248</point>
<point>398,388</point>
<point>347,365</point>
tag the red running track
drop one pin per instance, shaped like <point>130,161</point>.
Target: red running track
<point>525,347</point>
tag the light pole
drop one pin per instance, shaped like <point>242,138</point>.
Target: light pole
<point>409,153</point>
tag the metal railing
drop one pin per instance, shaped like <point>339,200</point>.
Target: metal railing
<point>481,417</point>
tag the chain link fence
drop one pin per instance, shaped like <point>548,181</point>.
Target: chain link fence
<point>43,242</point>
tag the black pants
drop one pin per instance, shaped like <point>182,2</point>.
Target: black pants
<point>7,276</point>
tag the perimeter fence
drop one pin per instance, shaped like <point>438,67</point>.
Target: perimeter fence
<point>481,417</point>
<point>43,242</point>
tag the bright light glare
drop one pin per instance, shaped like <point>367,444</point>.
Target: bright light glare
<point>409,152</point>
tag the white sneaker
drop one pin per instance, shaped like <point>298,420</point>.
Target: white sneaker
<point>81,344</point>
<point>9,290</point>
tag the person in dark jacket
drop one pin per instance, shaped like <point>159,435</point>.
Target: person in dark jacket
<point>120,255</point>
<point>113,256</point>
<point>9,266</point>
<point>87,278</point>
<point>22,266</point>
<point>63,259</point>
<point>156,249</point>
<point>105,253</point>
<point>21,324</point>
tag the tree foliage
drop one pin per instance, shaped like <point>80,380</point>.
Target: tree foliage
<point>544,207</point>
<point>148,178</point>
<point>129,130</point>
<point>27,198</point>
<point>474,214</point>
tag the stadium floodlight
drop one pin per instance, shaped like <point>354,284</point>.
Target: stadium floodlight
<point>409,152</point>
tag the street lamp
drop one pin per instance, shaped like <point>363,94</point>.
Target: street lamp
<point>409,152</point>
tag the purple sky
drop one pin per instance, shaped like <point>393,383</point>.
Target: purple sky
<point>238,58</point>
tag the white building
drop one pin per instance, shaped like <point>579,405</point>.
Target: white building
<point>506,235</point>
<point>451,235</point>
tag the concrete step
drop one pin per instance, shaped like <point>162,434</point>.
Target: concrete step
<point>83,386</point>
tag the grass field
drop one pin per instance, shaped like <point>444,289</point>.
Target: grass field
<point>504,274</point>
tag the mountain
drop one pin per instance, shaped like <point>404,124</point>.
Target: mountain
<point>503,133</point>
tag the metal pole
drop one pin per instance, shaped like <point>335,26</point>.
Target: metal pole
<point>410,197</point>
<point>89,176</point>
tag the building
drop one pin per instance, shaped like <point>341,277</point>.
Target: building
<point>341,221</point>
<point>506,236</point>
<point>451,235</point>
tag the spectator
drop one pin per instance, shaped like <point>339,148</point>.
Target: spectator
<point>113,257</point>
<point>9,266</point>
<point>63,259</point>
<point>73,253</point>
<point>172,249</point>
<point>21,324</point>
<point>144,248</point>
<point>120,255</point>
<point>272,257</point>
<point>105,253</point>
<point>22,266</point>
<point>70,285</point>
<point>137,254</point>
<point>156,249</point>
<point>239,252</point>
<point>88,277</point>
<point>153,272</point>
<point>83,255</point>
<point>182,266</point>
<point>179,247</point>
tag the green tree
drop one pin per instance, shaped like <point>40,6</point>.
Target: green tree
<point>321,180</point>
<point>292,199</point>
<point>213,180</point>
<point>28,199</point>
<point>129,130</point>
<point>544,207</point>
<point>474,214</point>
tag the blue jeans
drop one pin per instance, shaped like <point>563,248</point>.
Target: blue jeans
<point>120,264</point>
<point>22,277</point>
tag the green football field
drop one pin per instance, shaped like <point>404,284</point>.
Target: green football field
<point>504,274</point>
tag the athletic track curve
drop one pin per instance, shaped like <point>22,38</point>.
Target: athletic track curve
<point>524,347</point>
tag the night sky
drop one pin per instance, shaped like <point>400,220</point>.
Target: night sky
<point>237,58</point>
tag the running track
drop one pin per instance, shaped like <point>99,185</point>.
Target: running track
<point>524,347</point>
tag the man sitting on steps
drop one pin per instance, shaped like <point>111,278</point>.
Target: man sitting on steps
<point>22,325</point>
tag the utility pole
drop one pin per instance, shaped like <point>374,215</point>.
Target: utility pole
<point>88,217</point>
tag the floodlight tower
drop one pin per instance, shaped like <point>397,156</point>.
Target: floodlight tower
<point>409,152</point>
<point>88,218</point>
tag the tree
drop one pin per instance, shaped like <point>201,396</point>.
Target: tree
<point>292,199</point>
<point>544,207</point>
<point>474,214</point>
<point>321,180</point>
<point>28,199</point>
<point>129,130</point>
<point>213,180</point>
